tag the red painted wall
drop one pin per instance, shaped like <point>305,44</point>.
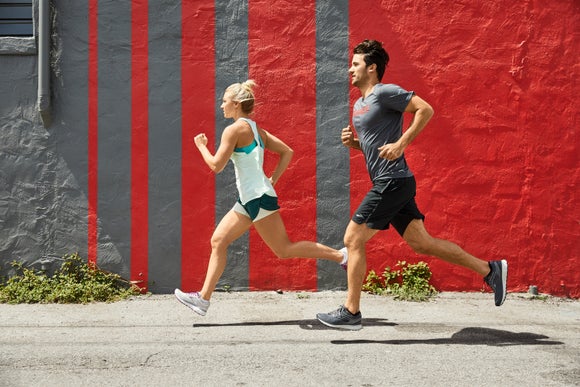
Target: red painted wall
<point>497,167</point>
<point>198,186</point>
<point>288,106</point>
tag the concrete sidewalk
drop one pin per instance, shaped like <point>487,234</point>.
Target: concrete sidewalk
<point>270,339</point>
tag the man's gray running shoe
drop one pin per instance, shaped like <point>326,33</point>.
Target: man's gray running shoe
<point>497,279</point>
<point>341,319</point>
<point>193,301</point>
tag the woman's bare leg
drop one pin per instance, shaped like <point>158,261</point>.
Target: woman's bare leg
<point>271,229</point>
<point>230,228</point>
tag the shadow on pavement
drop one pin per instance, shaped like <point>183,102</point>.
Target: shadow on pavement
<point>312,324</point>
<point>470,336</point>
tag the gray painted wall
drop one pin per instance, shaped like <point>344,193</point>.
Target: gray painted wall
<point>43,171</point>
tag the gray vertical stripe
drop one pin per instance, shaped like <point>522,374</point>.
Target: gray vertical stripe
<point>70,125</point>
<point>332,114</point>
<point>231,55</point>
<point>164,145</point>
<point>114,106</point>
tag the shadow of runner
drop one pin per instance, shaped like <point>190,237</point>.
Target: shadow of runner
<point>310,324</point>
<point>470,336</point>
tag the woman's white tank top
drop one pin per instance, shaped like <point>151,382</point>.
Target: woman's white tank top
<point>248,162</point>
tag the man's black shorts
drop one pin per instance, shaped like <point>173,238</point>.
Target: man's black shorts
<point>391,201</point>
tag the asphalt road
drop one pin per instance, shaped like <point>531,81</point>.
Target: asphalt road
<point>271,339</point>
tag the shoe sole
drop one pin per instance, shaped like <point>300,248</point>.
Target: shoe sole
<point>192,307</point>
<point>356,327</point>
<point>504,274</point>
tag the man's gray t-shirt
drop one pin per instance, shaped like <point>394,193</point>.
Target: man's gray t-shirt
<point>378,120</point>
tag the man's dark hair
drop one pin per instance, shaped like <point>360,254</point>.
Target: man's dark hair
<point>373,52</point>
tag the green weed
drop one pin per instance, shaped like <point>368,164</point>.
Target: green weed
<point>76,282</point>
<point>410,282</point>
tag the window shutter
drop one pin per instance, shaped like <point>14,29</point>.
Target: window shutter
<point>16,18</point>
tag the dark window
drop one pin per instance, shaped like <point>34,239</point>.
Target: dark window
<point>16,18</point>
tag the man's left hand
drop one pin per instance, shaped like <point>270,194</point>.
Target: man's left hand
<point>391,151</point>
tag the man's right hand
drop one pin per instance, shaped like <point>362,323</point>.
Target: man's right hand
<point>347,137</point>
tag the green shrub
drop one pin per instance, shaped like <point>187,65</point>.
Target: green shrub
<point>410,282</point>
<point>76,282</point>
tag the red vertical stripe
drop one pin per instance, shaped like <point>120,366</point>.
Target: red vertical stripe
<point>285,43</point>
<point>139,142</point>
<point>93,132</point>
<point>198,107</point>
